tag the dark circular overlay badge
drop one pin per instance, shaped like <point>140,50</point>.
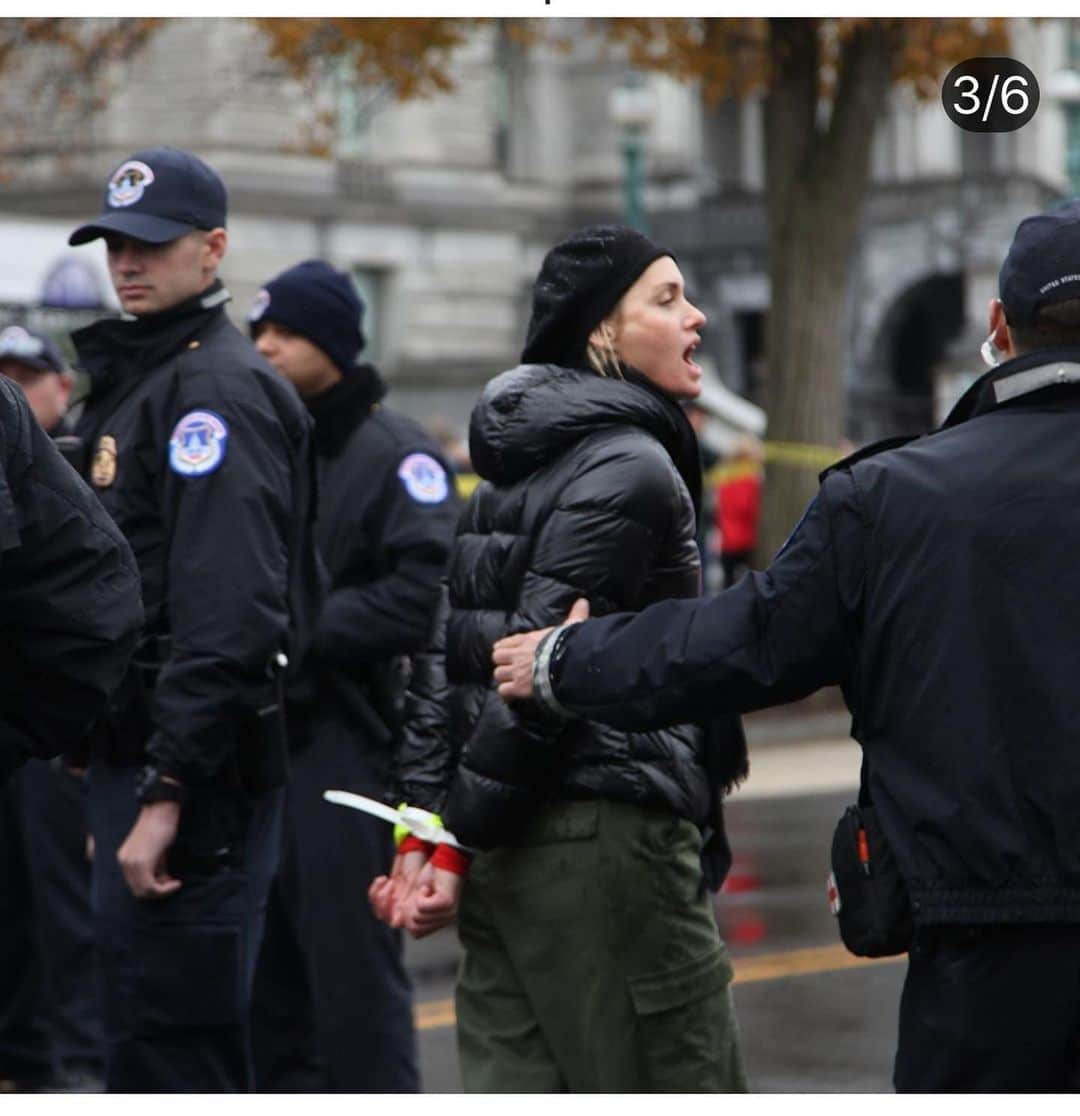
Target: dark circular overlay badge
<point>990,95</point>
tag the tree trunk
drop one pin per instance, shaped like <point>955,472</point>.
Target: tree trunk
<point>817,175</point>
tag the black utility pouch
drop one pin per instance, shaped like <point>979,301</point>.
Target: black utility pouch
<point>866,891</point>
<point>263,752</point>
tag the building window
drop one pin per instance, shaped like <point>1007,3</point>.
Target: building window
<point>977,152</point>
<point>370,285</point>
<point>750,330</point>
<point>724,141</point>
<point>1072,113</point>
<point>1073,44</point>
<point>502,94</point>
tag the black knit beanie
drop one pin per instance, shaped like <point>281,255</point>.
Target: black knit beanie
<point>319,303</point>
<point>580,282</point>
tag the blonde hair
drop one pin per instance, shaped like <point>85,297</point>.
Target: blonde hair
<point>603,357</point>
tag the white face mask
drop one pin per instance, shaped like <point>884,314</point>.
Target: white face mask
<point>990,353</point>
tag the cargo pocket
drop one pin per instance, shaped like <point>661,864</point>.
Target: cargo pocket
<point>190,955</point>
<point>687,1036</point>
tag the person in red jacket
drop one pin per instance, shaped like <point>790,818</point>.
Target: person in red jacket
<point>738,508</point>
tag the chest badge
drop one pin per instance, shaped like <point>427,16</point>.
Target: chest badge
<point>198,442</point>
<point>103,465</point>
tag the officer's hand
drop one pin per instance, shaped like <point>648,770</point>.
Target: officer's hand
<point>388,892</point>
<point>434,901</point>
<point>513,656</point>
<point>142,855</point>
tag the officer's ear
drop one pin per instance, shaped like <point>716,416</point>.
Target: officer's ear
<point>215,242</point>
<point>999,329</point>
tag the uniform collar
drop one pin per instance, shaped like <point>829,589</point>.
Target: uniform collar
<point>112,347</point>
<point>1016,379</point>
<point>339,410</point>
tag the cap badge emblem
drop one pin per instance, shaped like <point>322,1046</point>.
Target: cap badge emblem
<point>129,182</point>
<point>259,305</point>
<point>103,466</point>
<point>17,342</point>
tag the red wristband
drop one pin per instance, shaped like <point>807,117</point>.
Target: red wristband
<point>450,859</point>
<point>412,843</point>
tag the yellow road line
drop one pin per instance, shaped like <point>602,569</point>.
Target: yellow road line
<point>802,962</point>
<point>434,1013</point>
<point>748,970</point>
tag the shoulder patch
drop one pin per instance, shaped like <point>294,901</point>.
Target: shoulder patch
<point>197,444</point>
<point>424,478</point>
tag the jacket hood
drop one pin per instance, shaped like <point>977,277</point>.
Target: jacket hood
<point>534,413</point>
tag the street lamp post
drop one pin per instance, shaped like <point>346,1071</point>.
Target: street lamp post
<point>631,108</point>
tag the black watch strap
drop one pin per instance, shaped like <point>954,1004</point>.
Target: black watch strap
<point>155,787</point>
<point>545,658</point>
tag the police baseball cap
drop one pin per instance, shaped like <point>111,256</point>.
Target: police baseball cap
<point>1043,264</point>
<point>158,195</point>
<point>35,350</point>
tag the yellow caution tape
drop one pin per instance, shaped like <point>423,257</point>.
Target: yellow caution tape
<point>466,483</point>
<point>801,455</point>
<point>735,470</point>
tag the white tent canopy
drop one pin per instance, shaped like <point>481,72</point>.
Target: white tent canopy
<point>730,417</point>
<point>35,249</point>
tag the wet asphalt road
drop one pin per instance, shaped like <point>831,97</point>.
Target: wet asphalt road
<point>812,1018</point>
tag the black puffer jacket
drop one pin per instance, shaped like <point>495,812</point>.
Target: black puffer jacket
<point>582,497</point>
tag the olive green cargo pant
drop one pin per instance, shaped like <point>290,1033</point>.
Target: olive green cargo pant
<point>592,960</point>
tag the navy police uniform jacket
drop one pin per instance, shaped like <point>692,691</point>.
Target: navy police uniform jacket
<point>387,512</point>
<point>938,583</point>
<point>201,454</point>
<point>70,609</point>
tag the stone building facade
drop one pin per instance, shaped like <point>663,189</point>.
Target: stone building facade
<point>442,208</point>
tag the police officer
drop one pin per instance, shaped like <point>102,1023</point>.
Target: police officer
<point>51,1013</point>
<point>69,599</point>
<point>333,1003</point>
<point>35,362</point>
<point>200,452</point>
<point>69,595</point>
<point>937,582</point>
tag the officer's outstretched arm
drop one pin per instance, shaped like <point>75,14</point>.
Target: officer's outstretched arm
<point>774,637</point>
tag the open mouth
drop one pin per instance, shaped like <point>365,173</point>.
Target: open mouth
<point>688,355</point>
